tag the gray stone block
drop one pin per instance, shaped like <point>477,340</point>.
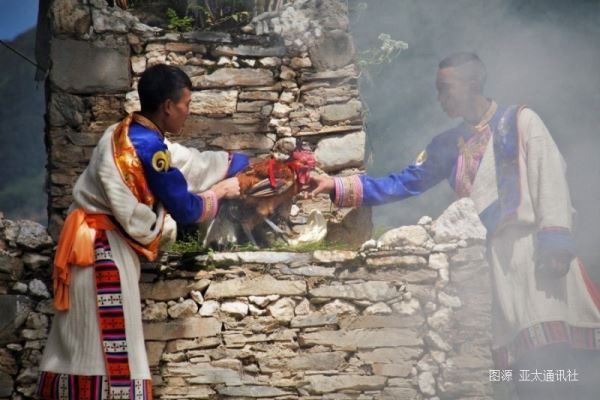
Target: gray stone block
<point>207,36</point>
<point>335,49</point>
<point>81,67</point>
<point>14,310</point>
<point>6,384</point>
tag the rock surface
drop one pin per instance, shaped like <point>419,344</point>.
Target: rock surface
<point>460,221</point>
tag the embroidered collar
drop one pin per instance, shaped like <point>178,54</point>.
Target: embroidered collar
<point>147,123</point>
<point>486,117</point>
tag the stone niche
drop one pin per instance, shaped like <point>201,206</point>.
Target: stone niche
<point>287,74</point>
<point>406,317</point>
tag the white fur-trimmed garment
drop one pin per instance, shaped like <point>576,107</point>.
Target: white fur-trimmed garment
<point>525,304</point>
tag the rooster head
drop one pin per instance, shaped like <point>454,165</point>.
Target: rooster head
<point>302,161</point>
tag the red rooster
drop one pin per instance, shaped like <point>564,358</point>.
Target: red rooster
<point>267,189</point>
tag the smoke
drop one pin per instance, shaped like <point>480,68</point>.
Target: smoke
<point>543,54</point>
<point>540,53</point>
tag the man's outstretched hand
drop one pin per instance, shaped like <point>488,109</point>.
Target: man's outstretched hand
<point>227,189</point>
<point>319,184</point>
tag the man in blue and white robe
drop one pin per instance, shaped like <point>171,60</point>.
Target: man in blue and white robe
<point>505,160</point>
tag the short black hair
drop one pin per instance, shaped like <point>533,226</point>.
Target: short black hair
<point>468,65</point>
<point>159,83</point>
<point>458,59</point>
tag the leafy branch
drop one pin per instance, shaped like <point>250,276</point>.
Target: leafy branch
<point>177,23</point>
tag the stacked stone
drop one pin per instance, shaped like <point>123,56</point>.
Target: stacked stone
<point>287,75</point>
<point>407,316</point>
<point>25,249</point>
<point>456,307</point>
<point>387,322</point>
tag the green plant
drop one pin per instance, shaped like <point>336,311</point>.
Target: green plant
<point>218,12</point>
<point>189,243</point>
<point>179,24</point>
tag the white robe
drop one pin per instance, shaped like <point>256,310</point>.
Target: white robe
<point>521,300</point>
<point>74,345</point>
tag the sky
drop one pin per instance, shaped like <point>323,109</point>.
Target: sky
<point>17,16</point>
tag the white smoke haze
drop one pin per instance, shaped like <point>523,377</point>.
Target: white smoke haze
<point>544,54</point>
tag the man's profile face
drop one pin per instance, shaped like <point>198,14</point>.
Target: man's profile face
<point>453,93</point>
<point>177,112</point>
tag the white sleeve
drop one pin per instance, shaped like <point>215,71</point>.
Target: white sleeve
<point>546,174</point>
<point>200,169</point>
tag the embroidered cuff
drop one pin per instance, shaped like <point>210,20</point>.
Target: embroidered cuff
<point>348,191</point>
<point>555,242</point>
<point>210,205</point>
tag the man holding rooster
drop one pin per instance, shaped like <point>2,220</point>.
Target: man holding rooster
<point>136,186</point>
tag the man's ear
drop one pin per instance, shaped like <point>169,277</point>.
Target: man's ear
<point>167,106</point>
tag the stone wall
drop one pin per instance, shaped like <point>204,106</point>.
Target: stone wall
<point>406,317</point>
<point>25,305</point>
<point>287,74</point>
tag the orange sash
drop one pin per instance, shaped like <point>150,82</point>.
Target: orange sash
<point>76,247</point>
<point>76,242</point>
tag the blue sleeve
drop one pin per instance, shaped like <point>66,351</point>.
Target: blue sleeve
<point>168,185</point>
<point>440,156</point>
<point>392,187</point>
<point>238,163</point>
<point>555,243</point>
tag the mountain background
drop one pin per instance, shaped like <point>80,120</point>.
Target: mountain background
<point>22,149</point>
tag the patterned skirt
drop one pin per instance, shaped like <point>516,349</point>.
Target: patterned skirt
<point>117,383</point>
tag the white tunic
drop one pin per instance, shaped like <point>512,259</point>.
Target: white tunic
<point>74,345</point>
<point>523,300</point>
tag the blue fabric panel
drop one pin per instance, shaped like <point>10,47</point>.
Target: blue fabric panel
<point>506,152</point>
<point>169,187</point>
<point>555,244</point>
<point>490,217</point>
<point>239,162</point>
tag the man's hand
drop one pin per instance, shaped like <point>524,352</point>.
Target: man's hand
<point>320,184</point>
<point>227,189</point>
<point>554,267</point>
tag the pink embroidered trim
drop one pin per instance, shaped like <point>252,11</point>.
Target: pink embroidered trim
<point>348,191</point>
<point>211,205</point>
<point>471,153</point>
<point>553,331</point>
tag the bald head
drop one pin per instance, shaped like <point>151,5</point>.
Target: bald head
<point>467,67</point>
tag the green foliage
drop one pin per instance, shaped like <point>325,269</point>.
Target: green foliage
<point>308,247</point>
<point>212,13</point>
<point>186,15</point>
<point>190,243</point>
<point>179,24</point>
